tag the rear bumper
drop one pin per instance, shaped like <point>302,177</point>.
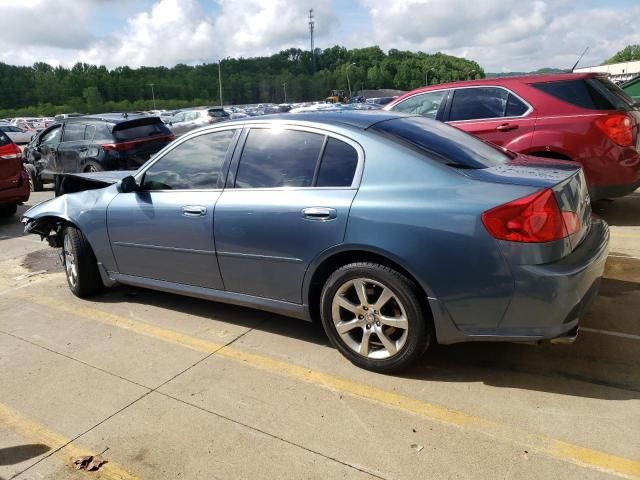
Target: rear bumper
<point>18,194</point>
<point>549,299</point>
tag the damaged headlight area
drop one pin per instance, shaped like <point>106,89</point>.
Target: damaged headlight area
<point>49,229</point>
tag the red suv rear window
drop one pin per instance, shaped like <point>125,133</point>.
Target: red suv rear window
<point>590,93</point>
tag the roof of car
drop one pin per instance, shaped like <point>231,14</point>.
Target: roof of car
<point>362,119</point>
<point>115,117</point>
<point>541,77</point>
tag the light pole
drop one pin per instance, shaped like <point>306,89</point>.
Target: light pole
<point>220,79</point>
<point>348,81</point>
<point>153,94</point>
<point>426,74</point>
<point>284,86</point>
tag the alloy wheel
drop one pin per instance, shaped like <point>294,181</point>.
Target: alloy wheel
<point>70,262</point>
<point>370,318</point>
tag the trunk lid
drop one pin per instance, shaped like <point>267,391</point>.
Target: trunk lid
<point>565,179</point>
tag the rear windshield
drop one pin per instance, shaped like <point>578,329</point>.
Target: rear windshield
<point>139,129</point>
<point>443,143</point>
<point>592,93</point>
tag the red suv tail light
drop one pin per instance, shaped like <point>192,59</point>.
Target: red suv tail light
<point>535,218</point>
<point>9,151</point>
<point>618,127</point>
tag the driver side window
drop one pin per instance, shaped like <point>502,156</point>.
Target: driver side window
<point>426,104</point>
<point>196,164</point>
<point>52,137</point>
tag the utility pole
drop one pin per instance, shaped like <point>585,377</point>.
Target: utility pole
<point>284,86</point>
<point>153,94</point>
<point>348,81</point>
<point>220,79</point>
<point>312,26</point>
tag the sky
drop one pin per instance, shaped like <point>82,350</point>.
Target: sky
<point>501,35</point>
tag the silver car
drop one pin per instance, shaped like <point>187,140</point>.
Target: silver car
<point>17,135</point>
<point>188,120</point>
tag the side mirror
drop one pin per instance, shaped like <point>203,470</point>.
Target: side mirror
<point>170,123</point>
<point>128,184</point>
<point>36,155</point>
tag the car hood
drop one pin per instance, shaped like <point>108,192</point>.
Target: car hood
<point>79,182</point>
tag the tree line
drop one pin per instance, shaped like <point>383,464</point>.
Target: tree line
<point>629,53</point>
<point>46,90</point>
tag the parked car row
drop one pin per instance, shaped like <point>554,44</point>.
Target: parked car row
<point>582,118</point>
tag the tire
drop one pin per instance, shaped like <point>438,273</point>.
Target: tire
<point>92,166</point>
<point>79,261</point>
<point>397,331</point>
<point>35,182</point>
<point>7,211</point>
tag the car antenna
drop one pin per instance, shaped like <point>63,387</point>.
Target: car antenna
<point>576,64</point>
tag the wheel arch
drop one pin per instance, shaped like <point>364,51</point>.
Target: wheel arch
<point>326,263</point>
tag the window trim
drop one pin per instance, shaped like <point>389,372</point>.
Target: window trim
<point>139,175</point>
<point>235,164</point>
<point>509,92</point>
<point>64,128</point>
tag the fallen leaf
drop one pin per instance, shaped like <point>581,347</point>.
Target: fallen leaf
<point>89,463</point>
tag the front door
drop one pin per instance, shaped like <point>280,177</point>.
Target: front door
<point>47,146</point>
<point>164,231</point>
<point>289,201</point>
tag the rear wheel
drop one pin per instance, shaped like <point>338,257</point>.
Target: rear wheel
<point>372,314</point>
<point>80,264</point>
<point>92,166</point>
<point>8,210</point>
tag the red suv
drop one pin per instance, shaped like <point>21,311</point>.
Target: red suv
<point>14,180</point>
<point>580,117</point>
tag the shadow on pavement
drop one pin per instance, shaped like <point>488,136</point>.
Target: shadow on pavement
<point>621,212</point>
<point>560,369</point>
<point>20,453</point>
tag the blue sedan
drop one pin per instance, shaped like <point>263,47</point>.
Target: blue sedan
<point>394,231</point>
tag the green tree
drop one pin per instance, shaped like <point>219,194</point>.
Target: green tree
<point>627,54</point>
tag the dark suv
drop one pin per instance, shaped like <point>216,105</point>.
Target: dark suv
<point>94,143</point>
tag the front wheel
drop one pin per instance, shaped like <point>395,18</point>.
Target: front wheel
<point>80,264</point>
<point>373,315</point>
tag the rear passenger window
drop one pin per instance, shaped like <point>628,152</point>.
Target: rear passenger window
<point>73,132</point>
<point>194,164</point>
<point>478,103</point>
<point>338,166</point>
<point>274,158</point>
<point>89,132</point>
<point>515,107</point>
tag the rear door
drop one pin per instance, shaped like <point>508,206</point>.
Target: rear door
<point>494,114</point>
<point>73,148</point>
<point>287,200</point>
<point>164,231</point>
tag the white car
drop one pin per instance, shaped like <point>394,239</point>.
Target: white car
<point>17,135</point>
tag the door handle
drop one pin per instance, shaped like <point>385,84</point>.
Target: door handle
<point>194,211</point>
<point>506,127</point>
<point>319,213</point>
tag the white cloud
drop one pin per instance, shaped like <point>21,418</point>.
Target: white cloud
<point>499,34</point>
<point>505,34</point>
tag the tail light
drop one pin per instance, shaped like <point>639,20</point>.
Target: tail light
<point>130,145</point>
<point>618,127</point>
<point>10,151</point>
<point>532,219</point>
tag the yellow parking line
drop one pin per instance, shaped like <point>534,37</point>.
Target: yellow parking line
<point>547,445</point>
<point>32,431</point>
<point>625,235</point>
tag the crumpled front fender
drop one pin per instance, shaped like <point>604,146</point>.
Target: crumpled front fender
<point>85,210</point>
